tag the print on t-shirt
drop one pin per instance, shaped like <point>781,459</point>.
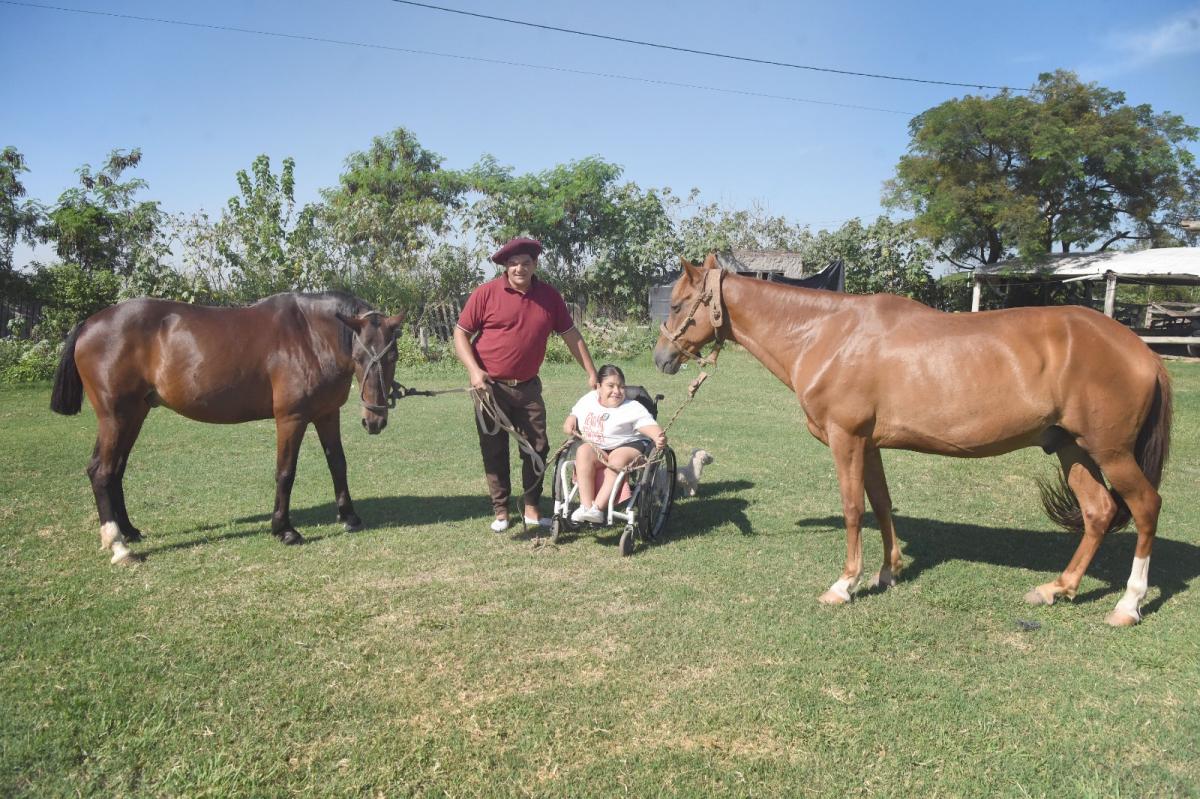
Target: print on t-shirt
<point>593,425</point>
<point>609,428</point>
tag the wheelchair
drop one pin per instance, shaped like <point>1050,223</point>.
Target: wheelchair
<point>641,496</point>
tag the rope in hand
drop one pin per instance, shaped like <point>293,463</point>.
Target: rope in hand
<point>491,421</point>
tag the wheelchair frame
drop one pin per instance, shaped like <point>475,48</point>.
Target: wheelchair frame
<point>645,512</point>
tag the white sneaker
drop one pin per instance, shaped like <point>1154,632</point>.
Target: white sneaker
<point>542,522</point>
<point>591,514</point>
<point>500,525</point>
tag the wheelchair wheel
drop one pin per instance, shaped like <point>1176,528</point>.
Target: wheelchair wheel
<point>625,545</point>
<point>564,493</point>
<point>656,496</point>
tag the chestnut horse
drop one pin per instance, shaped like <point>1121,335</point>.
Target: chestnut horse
<point>881,371</point>
<point>289,356</point>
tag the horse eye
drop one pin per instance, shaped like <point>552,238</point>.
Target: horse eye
<point>675,308</point>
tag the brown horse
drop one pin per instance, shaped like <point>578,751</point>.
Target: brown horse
<point>881,371</point>
<point>289,356</point>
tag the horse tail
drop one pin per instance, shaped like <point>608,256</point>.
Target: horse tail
<point>67,397</point>
<point>1154,439</point>
<point>1151,451</point>
<point>1061,504</point>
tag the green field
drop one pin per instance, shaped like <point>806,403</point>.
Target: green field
<point>428,656</point>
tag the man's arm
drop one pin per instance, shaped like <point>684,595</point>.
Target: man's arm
<point>578,348</point>
<point>462,348</point>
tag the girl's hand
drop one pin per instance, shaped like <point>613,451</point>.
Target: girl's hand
<point>569,425</point>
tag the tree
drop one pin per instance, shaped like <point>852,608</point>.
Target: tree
<point>260,240</point>
<point>715,229</point>
<point>602,238</point>
<point>1069,165</point>
<point>19,220</point>
<point>100,226</point>
<point>885,256</point>
<point>641,251</point>
<point>391,204</point>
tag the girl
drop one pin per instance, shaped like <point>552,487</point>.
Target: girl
<point>612,424</point>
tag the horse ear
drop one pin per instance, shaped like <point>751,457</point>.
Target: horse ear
<point>690,269</point>
<point>394,321</point>
<point>355,323</point>
<point>711,261</point>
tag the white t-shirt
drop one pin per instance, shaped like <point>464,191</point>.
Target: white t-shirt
<point>610,427</point>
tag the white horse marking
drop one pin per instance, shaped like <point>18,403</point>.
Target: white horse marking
<point>1135,589</point>
<point>111,538</point>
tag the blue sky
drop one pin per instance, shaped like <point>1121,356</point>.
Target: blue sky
<point>202,103</point>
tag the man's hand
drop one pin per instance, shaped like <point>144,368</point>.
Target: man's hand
<point>593,381</point>
<point>480,379</point>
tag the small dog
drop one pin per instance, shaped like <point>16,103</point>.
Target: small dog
<point>688,474</point>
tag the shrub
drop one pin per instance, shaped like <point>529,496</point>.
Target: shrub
<point>618,341</point>
<point>24,361</point>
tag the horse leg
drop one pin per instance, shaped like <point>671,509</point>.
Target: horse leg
<point>1144,503</point>
<point>131,428</point>
<point>116,426</point>
<point>848,456</point>
<point>289,434</point>
<point>881,504</point>
<point>329,430</point>
<point>1097,508</point>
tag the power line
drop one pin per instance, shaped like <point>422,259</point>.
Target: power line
<point>410,51</point>
<point>708,53</point>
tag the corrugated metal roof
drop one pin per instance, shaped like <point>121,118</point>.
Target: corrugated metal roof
<point>1163,263</point>
<point>788,264</point>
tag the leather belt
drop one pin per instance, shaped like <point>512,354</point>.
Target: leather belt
<point>510,383</point>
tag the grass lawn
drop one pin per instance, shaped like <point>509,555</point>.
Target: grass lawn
<point>428,656</point>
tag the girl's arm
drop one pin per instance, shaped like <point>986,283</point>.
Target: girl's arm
<point>655,434</point>
<point>570,424</point>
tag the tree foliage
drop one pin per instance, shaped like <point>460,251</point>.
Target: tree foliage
<point>99,224</point>
<point>19,218</point>
<point>884,256</point>
<point>1070,165</point>
<point>602,237</point>
<point>392,204</point>
<point>714,228</point>
<point>260,238</point>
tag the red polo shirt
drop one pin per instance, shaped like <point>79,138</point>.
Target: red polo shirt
<point>513,327</point>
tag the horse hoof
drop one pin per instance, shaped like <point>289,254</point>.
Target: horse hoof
<point>352,523</point>
<point>123,557</point>
<point>1120,619</point>
<point>1040,596</point>
<point>132,535</point>
<point>291,538</point>
<point>883,580</point>
<point>832,597</point>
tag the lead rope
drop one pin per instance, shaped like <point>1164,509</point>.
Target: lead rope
<point>491,421</point>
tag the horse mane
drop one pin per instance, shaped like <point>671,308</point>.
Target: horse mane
<point>325,303</point>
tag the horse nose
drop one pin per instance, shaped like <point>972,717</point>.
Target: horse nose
<point>663,360</point>
<point>375,424</point>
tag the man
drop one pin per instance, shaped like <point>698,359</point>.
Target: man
<point>501,340</point>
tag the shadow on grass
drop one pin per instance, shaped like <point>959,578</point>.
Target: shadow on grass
<point>928,543</point>
<point>376,513</point>
<point>690,516</point>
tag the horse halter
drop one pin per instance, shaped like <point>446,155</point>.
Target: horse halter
<point>390,393</point>
<point>710,296</point>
